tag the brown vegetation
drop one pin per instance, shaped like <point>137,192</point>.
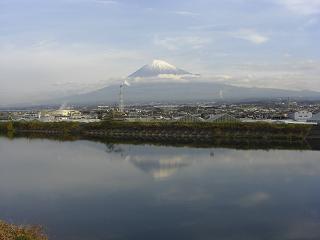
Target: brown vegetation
<point>12,232</point>
<point>215,130</point>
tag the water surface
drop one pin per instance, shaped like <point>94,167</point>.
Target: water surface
<point>88,190</point>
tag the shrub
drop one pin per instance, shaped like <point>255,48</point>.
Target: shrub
<point>13,232</point>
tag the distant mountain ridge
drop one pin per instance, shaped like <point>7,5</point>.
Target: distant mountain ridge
<point>144,87</point>
<point>185,92</point>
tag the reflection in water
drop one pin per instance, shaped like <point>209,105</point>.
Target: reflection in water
<point>159,168</point>
<point>81,190</point>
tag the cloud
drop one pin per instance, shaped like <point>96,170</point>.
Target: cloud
<point>48,69</point>
<point>304,7</point>
<point>175,43</point>
<point>312,22</point>
<point>106,1</point>
<point>290,74</point>
<point>185,13</point>
<point>250,35</point>
<point>223,77</point>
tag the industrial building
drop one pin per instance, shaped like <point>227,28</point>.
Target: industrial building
<point>190,118</point>
<point>220,118</point>
<point>315,118</point>
<point>301,116</point>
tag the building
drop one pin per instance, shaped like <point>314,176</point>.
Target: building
<point>221,118</point>
<point>315,118</point>
<point>301,116</point>
<point>61,114</point>
<point>189,118</point>
<point>4,116</point>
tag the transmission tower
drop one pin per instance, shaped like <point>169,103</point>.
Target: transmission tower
<point>121,103</point>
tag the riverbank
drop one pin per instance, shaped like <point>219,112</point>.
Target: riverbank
<point>175,131</point>
<point>164,131</point>
<point>13,232</point>
<point>240,135</point>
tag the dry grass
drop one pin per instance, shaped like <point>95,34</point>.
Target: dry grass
<point>12,232</point>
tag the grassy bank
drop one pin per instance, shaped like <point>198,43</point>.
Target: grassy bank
<point>172,130</point>
<point>13,232</point>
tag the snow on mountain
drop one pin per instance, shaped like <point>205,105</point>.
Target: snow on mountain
<point>162,65</point>
<point>159,68</point>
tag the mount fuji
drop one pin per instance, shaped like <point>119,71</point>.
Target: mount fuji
<point>163,82</point>
<point>159,68</point>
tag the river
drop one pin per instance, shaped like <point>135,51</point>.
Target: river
<point>88,190</point>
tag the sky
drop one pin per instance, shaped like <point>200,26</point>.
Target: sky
<point>51,48</point>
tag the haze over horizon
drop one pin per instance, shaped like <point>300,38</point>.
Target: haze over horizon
<point>63,47</point>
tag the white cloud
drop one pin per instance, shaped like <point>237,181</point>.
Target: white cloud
<point>250,35</point>
<point>223,77</point>
<point>44,70</point>
<point>292,74</point>
<point>175,43</point>
<point>185,13</point>
<point>107,1</point>
<point>305,7</point>
<point>312,22</point>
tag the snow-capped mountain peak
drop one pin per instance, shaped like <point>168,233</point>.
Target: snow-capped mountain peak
<point>159,64</point>
<point>158,68</point>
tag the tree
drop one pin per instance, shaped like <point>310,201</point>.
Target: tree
<point>10,127</point>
